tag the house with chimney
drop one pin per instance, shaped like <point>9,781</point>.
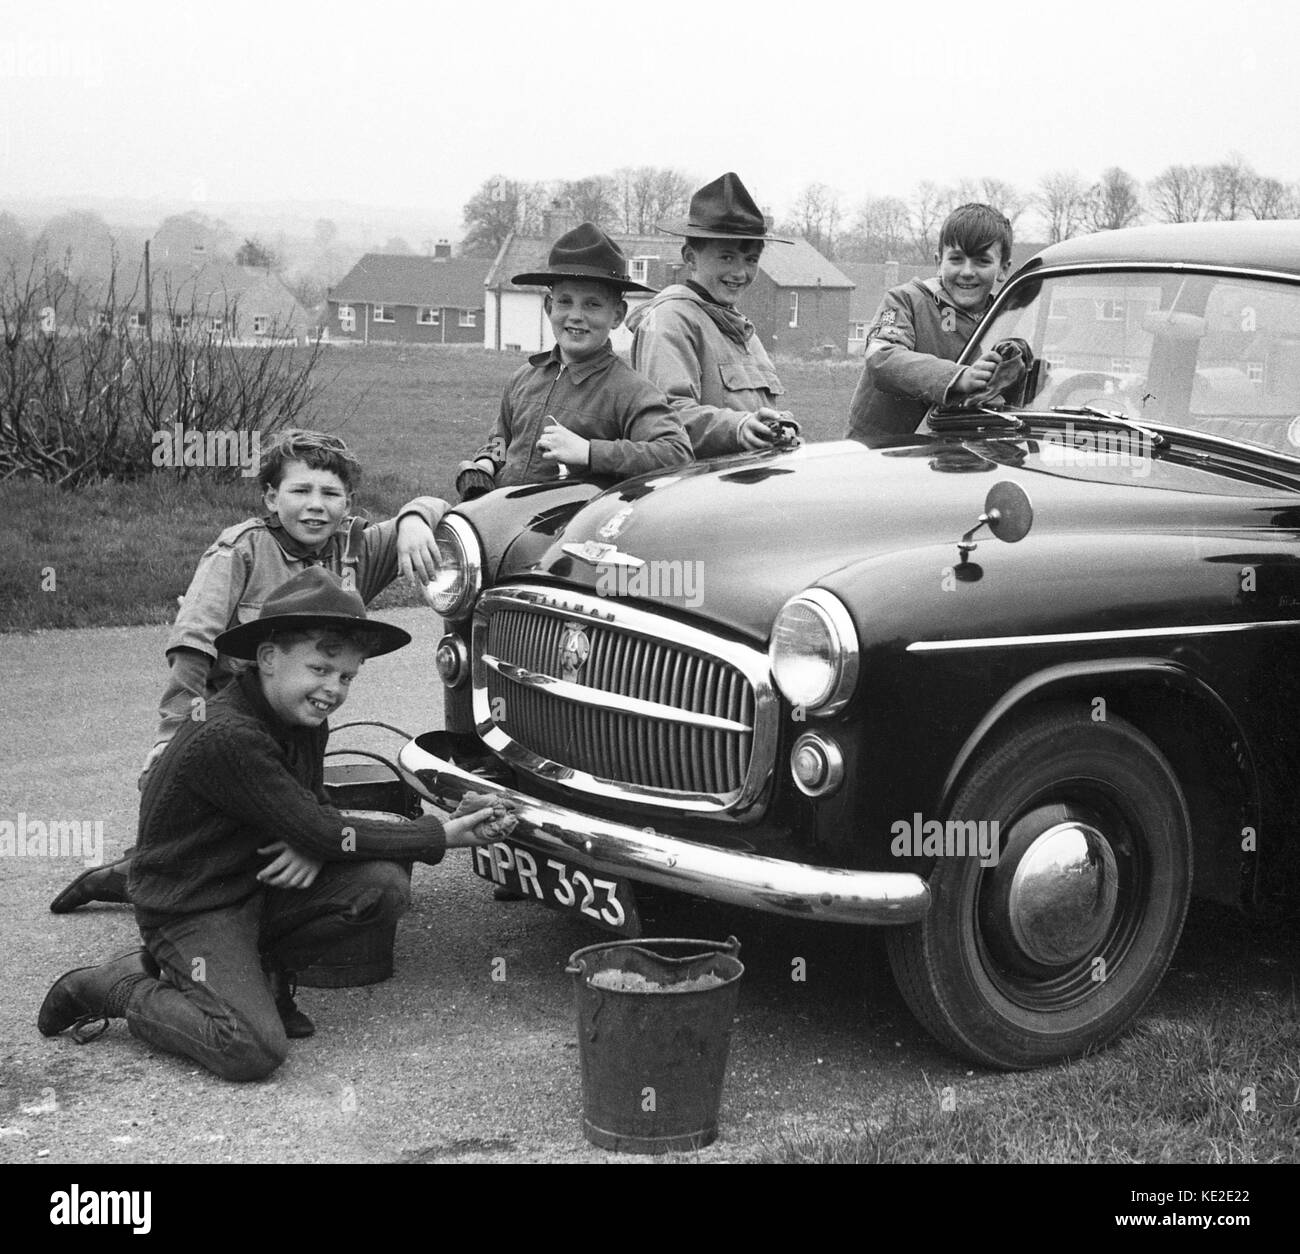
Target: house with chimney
<point>399,299</point>
<point>798,303</point>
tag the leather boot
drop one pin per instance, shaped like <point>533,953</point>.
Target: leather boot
<point>284,985</point>
<point>100,883</point>
<point>80,997</point>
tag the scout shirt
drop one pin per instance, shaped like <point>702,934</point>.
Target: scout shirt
<point>234,577</point>
<point>912,351</point>
<point>237,781</point>
<point>708,360</point>
<point>602,399</point>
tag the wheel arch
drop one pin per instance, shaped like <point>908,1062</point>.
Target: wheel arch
<point>1150,693</point>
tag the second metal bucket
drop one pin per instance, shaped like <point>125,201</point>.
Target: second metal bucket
<point>654,1027</point>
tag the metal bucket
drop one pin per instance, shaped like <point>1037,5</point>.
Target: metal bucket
<point>653,1059</point>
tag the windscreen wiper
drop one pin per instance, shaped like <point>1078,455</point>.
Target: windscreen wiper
<point>1110,418</point>
<point>976,415</point>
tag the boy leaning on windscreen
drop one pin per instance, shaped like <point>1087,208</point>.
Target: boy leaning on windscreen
<point>923,325</point>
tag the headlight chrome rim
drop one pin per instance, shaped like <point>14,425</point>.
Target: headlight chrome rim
<point>456,533</point>
<point>838,625</point>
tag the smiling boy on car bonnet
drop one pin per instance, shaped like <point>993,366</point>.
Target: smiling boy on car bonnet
<point>694,343</point>
<point>579,406</point>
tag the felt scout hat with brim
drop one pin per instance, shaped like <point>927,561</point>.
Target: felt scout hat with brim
<point>724,209</point>
<point>313,598</point>
<point>586,252</point>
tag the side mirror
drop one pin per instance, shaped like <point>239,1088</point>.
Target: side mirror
<point>1008,513</point>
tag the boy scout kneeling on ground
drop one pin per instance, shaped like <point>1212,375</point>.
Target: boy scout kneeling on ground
<point>243,871</point>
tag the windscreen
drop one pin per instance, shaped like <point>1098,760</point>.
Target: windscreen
<point>1217,354</point>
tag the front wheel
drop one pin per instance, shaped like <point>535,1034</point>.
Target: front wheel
<point>1054,946</point>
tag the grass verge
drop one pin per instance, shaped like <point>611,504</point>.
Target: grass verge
<point>117,554</point>
<point>1219,1085</point>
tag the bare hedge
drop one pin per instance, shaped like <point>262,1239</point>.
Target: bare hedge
<point>92,384</point>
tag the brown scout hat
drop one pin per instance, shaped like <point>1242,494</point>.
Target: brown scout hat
<point>313,598</point>
<point>724,209</point>
<point>586,252</point>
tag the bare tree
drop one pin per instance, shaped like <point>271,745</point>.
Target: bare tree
<point>1181,193</point>
<point>1005,197</point>
<point>927,208</point>
<point>593,199</point>
<point>879,232</point>
<point>501,205</point>
<point>672,194</point>
<point>1113,201</point>
<point>1063,201</point>
<point>816,216</point>
<point>1230,186</point>
<point>646,195</point>
<point>1271,198</point>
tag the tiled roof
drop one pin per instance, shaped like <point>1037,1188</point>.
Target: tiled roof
<point>441,282</point>
<point>800,265</point>
<point>204,290</point>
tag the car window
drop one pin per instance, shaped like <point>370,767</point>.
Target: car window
<point>1213,353</point>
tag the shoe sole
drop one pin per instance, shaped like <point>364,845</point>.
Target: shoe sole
<point>70,898</point>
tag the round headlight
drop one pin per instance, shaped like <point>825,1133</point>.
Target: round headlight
<point>455,588</point>
<point>814,652</point>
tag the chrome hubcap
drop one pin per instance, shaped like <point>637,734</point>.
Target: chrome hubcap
<point>1062,896</point>
<point>1054,895</point>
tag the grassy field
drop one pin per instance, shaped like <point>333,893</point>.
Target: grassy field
<point>122,553</point>
<point>1218,1086</point>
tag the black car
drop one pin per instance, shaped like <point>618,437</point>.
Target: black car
<point>1014,687</point>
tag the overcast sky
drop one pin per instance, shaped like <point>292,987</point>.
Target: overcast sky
<point>416,104</point>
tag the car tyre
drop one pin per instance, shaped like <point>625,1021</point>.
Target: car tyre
<point>1053,950</point>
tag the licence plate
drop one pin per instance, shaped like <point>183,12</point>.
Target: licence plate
<point>560,885</point>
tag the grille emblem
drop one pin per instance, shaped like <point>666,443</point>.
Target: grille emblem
<point>574,648</point>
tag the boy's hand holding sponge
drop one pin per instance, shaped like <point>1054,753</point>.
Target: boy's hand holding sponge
<point>479,819</point>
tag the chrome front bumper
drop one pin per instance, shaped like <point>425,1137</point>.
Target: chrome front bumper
<point>771,885</point>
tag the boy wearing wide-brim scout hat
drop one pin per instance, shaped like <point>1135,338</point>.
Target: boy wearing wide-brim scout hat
<point>578,407</point>
<point>693,342</point>
<point>244,873</point>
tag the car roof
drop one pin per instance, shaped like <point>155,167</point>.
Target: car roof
<point>1272,245</point>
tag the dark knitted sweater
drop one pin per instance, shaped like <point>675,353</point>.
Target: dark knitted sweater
<point>236,781</point>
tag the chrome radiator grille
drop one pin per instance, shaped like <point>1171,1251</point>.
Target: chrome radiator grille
<point>614,700</point>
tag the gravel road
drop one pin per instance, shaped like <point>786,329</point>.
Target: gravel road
<point>442,1062</point>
